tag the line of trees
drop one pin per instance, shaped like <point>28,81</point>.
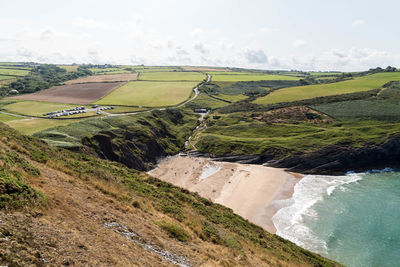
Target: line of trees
<point>43,77</point>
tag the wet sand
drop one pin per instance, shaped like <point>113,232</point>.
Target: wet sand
<point>252,191</point>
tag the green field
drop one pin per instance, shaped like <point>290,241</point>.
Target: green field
<point>7,118</point>
<point>150,94</point>
<point>325,73</point>
<point>37,109</point>
<point>6,77</point>
<point>156,69</point>
<point>31,126</point>
<point>231,98</point>
<point>205,101</point>
<point>108,71</point>
<point>245,77</point>
<point>358,84</point>
<point>362,109</point>
<point>13,72</point>
<point>69,68</point>
<point>172,76</point>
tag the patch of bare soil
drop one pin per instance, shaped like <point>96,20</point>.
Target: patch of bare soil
<point>80,94</point>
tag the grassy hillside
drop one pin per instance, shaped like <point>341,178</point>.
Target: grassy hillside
<point>64,208</point>
<point>142,93</point>
<point>288,131</point>
<point>236,77</point>
<point>357,84</point>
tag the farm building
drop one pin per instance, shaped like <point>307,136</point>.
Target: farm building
<point>200,110</point>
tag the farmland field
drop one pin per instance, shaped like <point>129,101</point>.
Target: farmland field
<point>208,69</point>
<point>126,77</point>
<point>36,108</point>
<point>362,109</point>
<point>80,94</point>
<point>143,93</point>
<point>13,72</point>
<point>172,76</point>
<point>325,73</point>
<point>31,126</point>
<point>236,77</point>
<point>7,117</point>
<point>109,71</point>
<point>358,84</point>
<point>6,77</point>
<point>69,68</point>
<point>155,69</point>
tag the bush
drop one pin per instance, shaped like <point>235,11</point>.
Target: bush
<point>174,231</point>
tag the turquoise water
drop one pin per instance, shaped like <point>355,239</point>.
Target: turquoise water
<point>353,219</point>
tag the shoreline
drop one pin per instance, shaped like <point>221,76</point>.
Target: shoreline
<point>255,192</point>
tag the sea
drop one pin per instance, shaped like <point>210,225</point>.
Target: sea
<point>353,219</point>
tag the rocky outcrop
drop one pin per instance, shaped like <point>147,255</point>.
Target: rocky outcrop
<point>142,144</point>
<point>340,158</point>
<point>331,160</point>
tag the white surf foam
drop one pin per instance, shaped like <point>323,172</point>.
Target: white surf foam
<point>289,221</point>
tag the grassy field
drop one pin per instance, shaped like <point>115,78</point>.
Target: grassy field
<point>205,101</point>
<point>325,73</point>
<point>231,98</point>
<point>37,109</point>
<point>69,68</point>
<point>238,76</point>
<point>4,77</point>
<point>13,72</point>
<point>156,69</point>
<point>172,76</point>
<point>31,126</point>
<point>386,110</point>
<point>7,118</point>
<point>151,94</point>
<point>358,84</point>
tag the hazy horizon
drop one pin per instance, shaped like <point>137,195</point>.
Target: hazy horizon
<point>277,35</point>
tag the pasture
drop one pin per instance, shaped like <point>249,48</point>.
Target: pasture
<point>37,109</point>
<point>69,68</point>
<point>31,126</point>
<point>80,94</point>
<point>249,76</point>
<point>358,84</point>
<point>150,94</point>
<point>7,117</point>
<point>5,77</point>
<point>125,77</point>
<point>384,110</point>
<point>13,72</point>
<point>172,76</point>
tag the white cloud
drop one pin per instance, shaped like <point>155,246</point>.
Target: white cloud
<point>256,56</point>
<point>299,43</point>
<point>200,47</point>
<point>87,23</point>
<point>358,22</point>
<point>266,29</point>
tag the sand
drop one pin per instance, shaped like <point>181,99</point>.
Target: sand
<point>252,191</point>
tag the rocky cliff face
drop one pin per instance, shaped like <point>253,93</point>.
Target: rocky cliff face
<point>338,159</point>
<point>142,144</point>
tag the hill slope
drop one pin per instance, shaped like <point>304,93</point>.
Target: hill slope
<point>65,208</point>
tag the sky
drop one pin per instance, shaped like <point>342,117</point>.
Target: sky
<point>308,35</point>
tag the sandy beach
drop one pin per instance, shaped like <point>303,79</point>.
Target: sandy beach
<point>252,191</point>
